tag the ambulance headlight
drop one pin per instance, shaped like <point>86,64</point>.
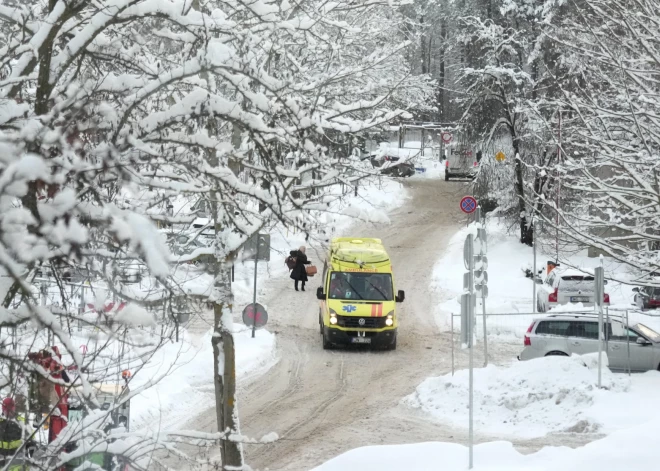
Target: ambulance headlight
<point>333,317</point>
<point>389,322</point>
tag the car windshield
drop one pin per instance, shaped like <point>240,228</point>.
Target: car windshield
<point>647,332</point>
<point>367,286</point>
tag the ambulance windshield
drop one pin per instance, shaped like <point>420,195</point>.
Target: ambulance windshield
<point>361,286</point>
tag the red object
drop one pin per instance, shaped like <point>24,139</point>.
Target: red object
<point>53,364</point>
<point>8,406</point>
<point>552,297</point>
<point>468,204</point>
<point>447,163</point>
<point>606,298</point>
<point>376,310</point>
<point>446,137</point>
<point>108,307</point>
<point>527,341</point>
<point>476,163</point>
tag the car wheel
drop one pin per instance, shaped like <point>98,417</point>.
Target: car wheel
<point>327,345</point>
<point>556,354</point>
<point>392,346</point>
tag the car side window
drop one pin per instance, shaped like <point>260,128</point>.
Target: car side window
<point>556,328</point>
<point>626,334</point>
<point>585,330</point>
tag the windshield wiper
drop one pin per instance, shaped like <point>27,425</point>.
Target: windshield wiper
<point>377,289</point>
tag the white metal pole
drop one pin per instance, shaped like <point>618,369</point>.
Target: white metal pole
<point>599,279</point>
<point>483,306</point>
<point>471,306</point>
<point>534,267</point>
<point>628,341</point>
<point>254,294</point>
<point>482,252</point>
<point>452,344</point>
<point>471,395</point>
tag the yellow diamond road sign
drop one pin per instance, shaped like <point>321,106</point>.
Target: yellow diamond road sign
<point>500,156</point>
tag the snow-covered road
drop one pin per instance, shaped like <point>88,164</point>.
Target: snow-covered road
<point>322,403</point>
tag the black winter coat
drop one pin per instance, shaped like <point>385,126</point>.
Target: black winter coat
<point>299,273</point>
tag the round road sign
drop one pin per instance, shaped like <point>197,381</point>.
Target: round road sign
<point>468,204</point>
<point>446,137</point>
<point>250,317</point>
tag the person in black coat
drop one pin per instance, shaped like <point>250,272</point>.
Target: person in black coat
<point>299,273</point>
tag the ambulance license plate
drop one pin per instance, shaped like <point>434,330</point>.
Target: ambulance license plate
<point>361,339</point>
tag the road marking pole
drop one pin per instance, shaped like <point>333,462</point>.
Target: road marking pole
<point>254,294</point>
<point>452,344</point>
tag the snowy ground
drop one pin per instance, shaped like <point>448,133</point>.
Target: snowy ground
<point>185,370</point>
<point>634,448</point>
<point>547,395</point>
<point>429,167</point>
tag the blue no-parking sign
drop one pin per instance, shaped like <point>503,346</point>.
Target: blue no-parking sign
<point>468,204</point>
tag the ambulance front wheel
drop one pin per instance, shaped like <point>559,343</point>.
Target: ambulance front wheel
<point>327,345</point>
<point>392,346</point>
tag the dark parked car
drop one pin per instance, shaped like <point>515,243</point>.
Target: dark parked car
<point>392,166</point>
<point>184,244</point>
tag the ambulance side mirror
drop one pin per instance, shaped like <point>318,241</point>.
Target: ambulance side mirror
<point>320,295</point>
<point>400,296</point>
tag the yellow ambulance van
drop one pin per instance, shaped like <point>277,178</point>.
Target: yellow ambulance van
<point>357,301</point>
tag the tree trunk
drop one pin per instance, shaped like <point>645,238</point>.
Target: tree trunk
<point>233,450</point>
<point>423,47</point>
<point>224,355</point>
<point>526,229</point>
<point>441,75</point>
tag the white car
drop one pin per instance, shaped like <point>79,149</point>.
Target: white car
<point>566,286</point>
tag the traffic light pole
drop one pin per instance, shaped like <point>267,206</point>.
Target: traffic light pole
<point>482,253</point>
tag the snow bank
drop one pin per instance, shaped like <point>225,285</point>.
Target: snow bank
<point>634,448</point>
<point>533,398</point>
<point>185,373</point>
<point>432,168</point>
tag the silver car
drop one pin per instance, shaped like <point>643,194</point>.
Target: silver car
<point>565,286</point>
<point>564,335</point>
